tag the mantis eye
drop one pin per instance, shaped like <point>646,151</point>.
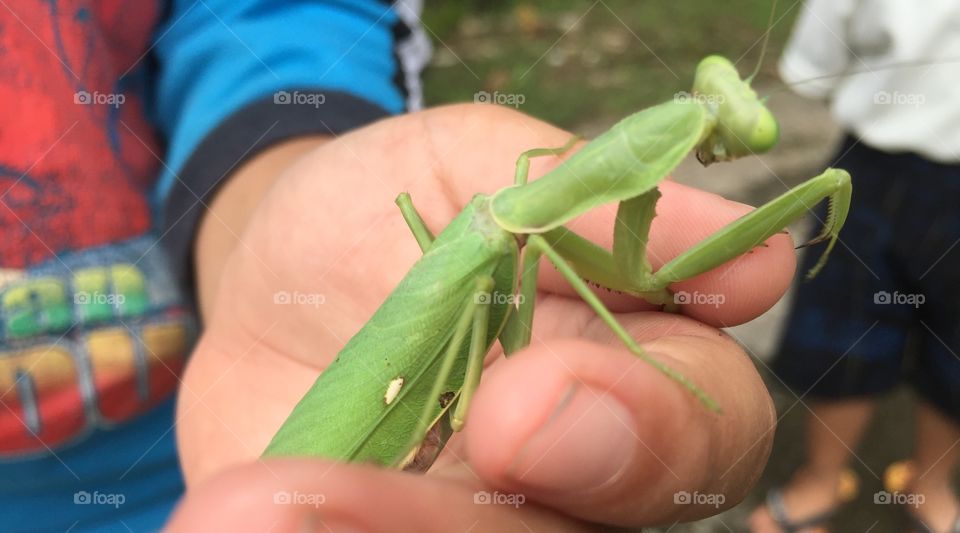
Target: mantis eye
<point>765,132</point>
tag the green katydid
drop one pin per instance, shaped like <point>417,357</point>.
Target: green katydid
<point>409,374</point>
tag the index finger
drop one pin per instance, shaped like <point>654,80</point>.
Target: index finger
<point>474,149</point>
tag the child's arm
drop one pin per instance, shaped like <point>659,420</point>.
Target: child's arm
<point>237,79</point>
<point>222,227</point>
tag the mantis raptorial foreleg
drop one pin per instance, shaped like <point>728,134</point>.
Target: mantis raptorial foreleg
<point>750,230</point>
<point>597,265</point>
<point>631,232</point>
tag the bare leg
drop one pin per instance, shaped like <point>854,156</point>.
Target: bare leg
<point>833,430</point>
<point>936,454</point>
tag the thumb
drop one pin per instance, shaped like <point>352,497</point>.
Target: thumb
<point>591,430</point>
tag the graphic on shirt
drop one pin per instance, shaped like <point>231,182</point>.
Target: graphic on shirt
<point>92,329</point>
<point>89,339</point>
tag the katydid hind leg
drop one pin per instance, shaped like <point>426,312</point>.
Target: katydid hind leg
<point>477,304</point>
<point>537,245</point>
<point>477,353</point>
<point>415,222</point>
<point>523,162</point>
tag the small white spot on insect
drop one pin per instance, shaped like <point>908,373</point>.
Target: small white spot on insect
<point>393,389</point>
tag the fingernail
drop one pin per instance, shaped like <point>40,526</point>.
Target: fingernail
<point>586,444</point>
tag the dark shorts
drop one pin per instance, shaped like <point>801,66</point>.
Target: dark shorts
<point>886,308</point>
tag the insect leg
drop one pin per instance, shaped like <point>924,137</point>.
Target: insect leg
<point>538,245</point>
<point>590,261</point>
<point>750,230</point>
<point>631,232</point>
<point>415,221</point>
<point>523,162</point>
<point>471,308</point>
<point>478,350</point>
<point>597,265</point>
<point>517,331</point>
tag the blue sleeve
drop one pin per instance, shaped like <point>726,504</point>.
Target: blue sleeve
<point>235,76</point>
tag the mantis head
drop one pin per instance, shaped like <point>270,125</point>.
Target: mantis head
<point>742,124</point>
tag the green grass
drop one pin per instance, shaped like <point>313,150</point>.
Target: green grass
<point>581,61</point>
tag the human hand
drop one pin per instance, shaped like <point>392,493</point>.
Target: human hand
<point>577,425</point>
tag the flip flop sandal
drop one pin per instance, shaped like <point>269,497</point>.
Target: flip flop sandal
<point>897,478</point>
<point>778,511</point>
<point>919,526</point>
<point>847,489</point>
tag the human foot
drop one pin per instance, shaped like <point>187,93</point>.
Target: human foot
<point>806,504</point>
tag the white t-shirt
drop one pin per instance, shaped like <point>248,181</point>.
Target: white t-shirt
<point>915,108</point>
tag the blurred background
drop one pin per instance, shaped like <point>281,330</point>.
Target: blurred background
<point>584,64</point>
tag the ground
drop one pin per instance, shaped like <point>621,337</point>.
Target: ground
<point>584,65</point>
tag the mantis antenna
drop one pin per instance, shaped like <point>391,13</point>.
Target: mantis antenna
<point>766,40</point>
<point>915,63</point>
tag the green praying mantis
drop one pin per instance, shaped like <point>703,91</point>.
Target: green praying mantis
<point>403,384</point>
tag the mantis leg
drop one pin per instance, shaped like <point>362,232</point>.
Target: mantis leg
<point>475,311</point>
<point>591,262</point>
<point>537,245</point>
<point>631,232</point>
<point>750,230</point>
<point>523,162</point>
<point>413,219</point>
<point>601,267</point>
